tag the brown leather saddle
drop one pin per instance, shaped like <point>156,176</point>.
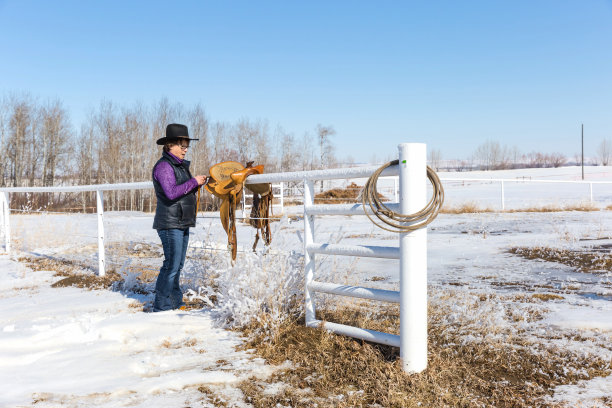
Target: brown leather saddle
<point>226,181</point>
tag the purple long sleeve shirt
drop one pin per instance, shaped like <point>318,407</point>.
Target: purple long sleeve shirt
<point>164,174</point>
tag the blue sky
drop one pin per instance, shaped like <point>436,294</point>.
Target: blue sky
<point>452,74</point>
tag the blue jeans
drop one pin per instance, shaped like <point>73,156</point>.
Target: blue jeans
<point>168,294</point>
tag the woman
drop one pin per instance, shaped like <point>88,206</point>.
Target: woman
<point>175,190</point>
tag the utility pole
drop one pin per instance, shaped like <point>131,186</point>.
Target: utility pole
<point>582,133</point>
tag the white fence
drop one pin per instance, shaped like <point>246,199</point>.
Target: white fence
<point>527,191</point>
<point>411,248</point>
<point>412,296</point>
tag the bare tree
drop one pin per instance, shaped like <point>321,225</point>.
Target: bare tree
<point>86,150</point>
<point>4,109</point>
<point>220,134</point>
<point>289,155</point>
<point>198,129</point>
<point>308,153</point>
<point>492,156</point>
<point>515,157</point>
<point>244,137</point>
<point>326,149</point>
<point>434,158</point>
<point>604,152</point>
<point>20,134</point>
<point>262,144</point>
<point>557,159</point>
<point>55,135</point>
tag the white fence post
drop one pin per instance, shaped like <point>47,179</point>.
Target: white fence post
<point>503,198</point>
<point>6,225</point>
<point>413,259</point>
<point>395,189</point>
<point>100,207</point>
<point>282,194</point>
<point>243,203</point>
<point>309,258</point>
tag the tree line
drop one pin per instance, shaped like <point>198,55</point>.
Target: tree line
<point>492,155</point>
<point>116,144</point>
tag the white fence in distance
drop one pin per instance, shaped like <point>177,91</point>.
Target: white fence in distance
<point>539,191</point>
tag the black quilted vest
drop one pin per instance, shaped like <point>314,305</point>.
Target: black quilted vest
<point>180,212</point>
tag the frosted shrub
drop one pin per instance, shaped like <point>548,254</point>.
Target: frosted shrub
<point>130,282</point>
<point>263,288</point>
<point>260,289</point>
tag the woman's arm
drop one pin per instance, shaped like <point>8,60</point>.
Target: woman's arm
<point>164,174</point>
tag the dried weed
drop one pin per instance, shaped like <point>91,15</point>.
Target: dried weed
<point>73,273</point>
<point>465,208</point>
<point>212,396</point>
<point>473,207</point>
<point>336,371</point>
<point>592,261</point>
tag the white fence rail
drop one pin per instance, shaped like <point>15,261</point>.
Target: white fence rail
<point>410,251</point>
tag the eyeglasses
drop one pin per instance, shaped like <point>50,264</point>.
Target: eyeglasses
<point>183,147</point>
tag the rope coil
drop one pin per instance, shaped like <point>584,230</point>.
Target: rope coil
<point>396,222</point>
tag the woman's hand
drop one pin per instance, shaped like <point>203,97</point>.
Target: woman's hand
<point>201,179</point>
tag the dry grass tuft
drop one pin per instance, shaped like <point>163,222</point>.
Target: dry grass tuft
<point>547,296</point>
<point>167,343</point>
<point>591,261</point>
<point>336,371</point>
<point>585,206</point>
<point>473,207</point>
<point>349,194</point>
<point>465,208</point>
<point>72,273</point>
<point>212,396</point>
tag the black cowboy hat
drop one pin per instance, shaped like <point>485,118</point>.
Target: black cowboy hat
<point>174,131</point>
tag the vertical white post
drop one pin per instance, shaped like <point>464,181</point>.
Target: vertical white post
<point>100,207</point>
<point>2,214</point>
<point>395,189</point>
<point>243,204</point>
<point>282,195</point>
<point>591,192</point>
<point>413,259</point>
<point>503,198</point>
<point>309,259</point>
<point>6,221</point>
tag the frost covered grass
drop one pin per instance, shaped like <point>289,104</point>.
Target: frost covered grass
<point>473,207</point>
<point>465,208</point>
<point>593,260</point>
<point>476,358</point>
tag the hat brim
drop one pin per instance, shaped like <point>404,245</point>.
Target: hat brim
<point>162,141</point>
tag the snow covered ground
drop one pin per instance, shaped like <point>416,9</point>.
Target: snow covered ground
<point>76,347</point>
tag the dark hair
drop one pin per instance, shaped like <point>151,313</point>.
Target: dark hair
<point>168,145</point>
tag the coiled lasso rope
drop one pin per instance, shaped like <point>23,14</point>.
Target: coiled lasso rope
<point>395,222</point>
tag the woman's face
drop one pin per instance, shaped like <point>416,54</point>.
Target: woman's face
<point>180,149</point>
